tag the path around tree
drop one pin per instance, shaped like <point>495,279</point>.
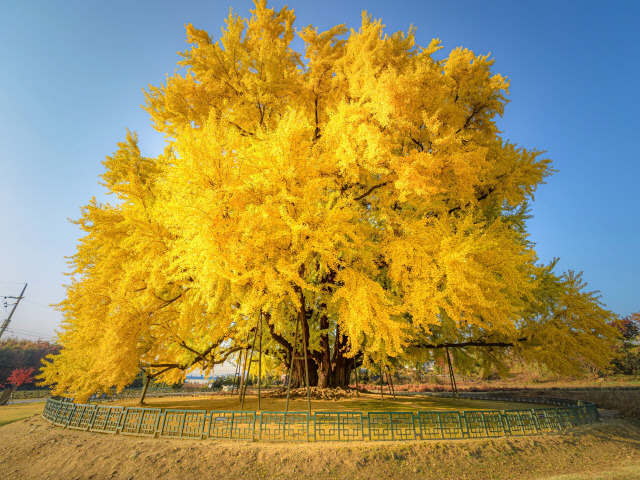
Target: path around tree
<point>29,400</point>
<point>34,449</point>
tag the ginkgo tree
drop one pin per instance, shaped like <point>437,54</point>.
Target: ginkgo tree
<point>359,189</point>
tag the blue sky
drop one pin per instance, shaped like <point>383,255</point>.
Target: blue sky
<point>72,78</point>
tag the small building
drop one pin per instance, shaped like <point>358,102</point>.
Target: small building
<point>198,380</point>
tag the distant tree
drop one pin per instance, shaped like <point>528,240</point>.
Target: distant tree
<point>221,380</point>
<point>20,376</point>
<point>629,326</point>
<point>627,361</point>
<point>16,353</point>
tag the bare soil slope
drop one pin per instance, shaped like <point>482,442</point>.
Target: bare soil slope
<point>34,449</point>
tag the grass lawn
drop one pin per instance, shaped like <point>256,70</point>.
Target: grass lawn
<point>364,403</point>
<point>18,411</point>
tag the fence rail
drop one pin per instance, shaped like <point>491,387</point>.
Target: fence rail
<point>324,426</point>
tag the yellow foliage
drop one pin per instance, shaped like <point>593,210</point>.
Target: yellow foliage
<point>367,185</point>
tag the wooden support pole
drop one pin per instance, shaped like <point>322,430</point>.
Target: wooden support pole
<point>452,377</point>
<point>144,389</point>
<point>236,377</point>
<point>306,368</point>
<point>381,375</point>
<point>390,382</point>
<point>293,357</point>
<point>357,388</point>
<point>260,362</point>
<point>243,367</point>
<point>248,367</point>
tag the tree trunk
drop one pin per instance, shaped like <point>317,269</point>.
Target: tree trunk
<point>333,371</point>
<point>341,366</point>
<point>144,390</point>
<point>323,357</point>
<point>342,372</point>
<point>298,377</point>
<point>336,375</point>
<point>325,370</point>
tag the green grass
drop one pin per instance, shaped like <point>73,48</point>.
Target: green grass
<point>364,403</point>
<point>26,394</point>
<point>18,411</point>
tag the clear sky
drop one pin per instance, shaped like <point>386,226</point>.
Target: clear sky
<point>71,84</point>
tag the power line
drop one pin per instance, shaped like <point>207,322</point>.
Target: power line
<point>39,304</point>
<point>24,330</point>
<point>34,335</point>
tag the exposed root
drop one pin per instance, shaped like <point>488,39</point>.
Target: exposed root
<point>314,392</point>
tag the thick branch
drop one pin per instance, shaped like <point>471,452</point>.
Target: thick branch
<point>168,302</point>
<point>201,356</point>
<point>278,338</point>
<point>198,354</point>
<point>150,376</point>
<point>418,144</point>
<point>243,132</point>
<point>227,354</point>
<point>316,133</point>
<point>481,197</point>
<point>157,374</point>
<point>159,365</point>
<point>476,110</point>
<point>366,194</point>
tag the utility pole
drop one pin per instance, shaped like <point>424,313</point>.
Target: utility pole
<point>5,324</point>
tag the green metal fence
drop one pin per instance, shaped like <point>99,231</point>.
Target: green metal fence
<point>323,426</point>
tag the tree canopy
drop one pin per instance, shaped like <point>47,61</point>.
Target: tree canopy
<point>360,187</point>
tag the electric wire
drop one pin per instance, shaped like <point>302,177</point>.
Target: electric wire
<point>30,334</point>
<point>34,303</point>
<point>23,330</point>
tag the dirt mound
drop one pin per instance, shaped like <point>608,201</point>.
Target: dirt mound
<point>314,392</point>
<point>33,449</point>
